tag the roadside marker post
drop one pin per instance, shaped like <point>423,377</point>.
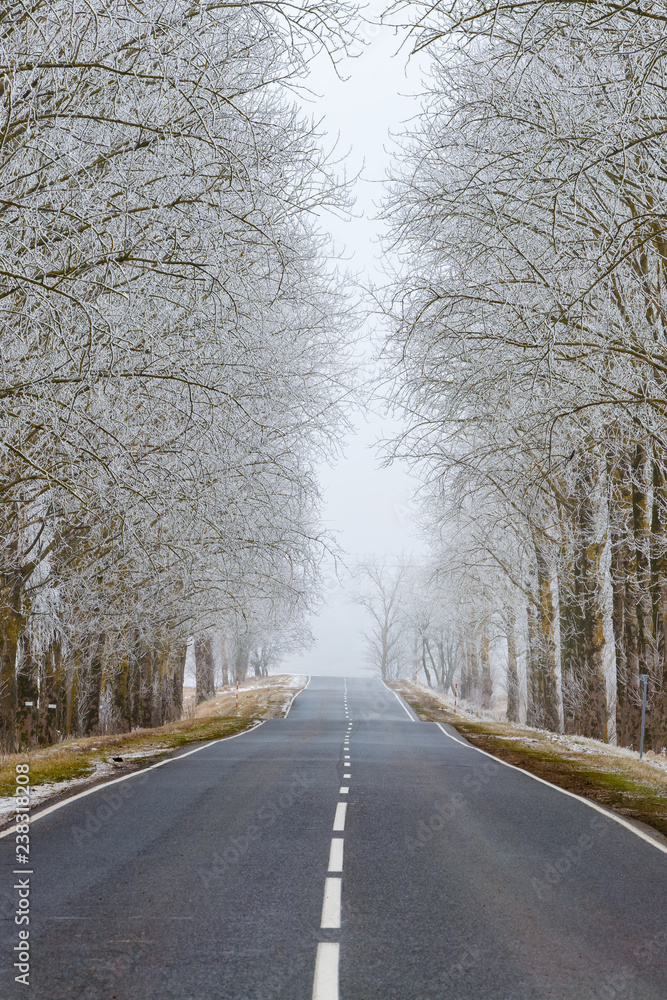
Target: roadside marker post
<point>643,680</point>
<point>456,691</point>
<point>237,692</point>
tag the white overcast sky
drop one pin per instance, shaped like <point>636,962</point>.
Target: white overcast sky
<point>367,506</point>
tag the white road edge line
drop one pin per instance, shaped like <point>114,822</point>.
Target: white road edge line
<point>339,818</point>
<point>587,802</point>
<point>336,855</point>
<point>325,984</point>
<point>289,707</point>
<point>331,904</point>
<point>126,777</point>
<point>401,703</point>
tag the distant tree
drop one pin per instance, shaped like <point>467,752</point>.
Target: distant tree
<point>381,590</point>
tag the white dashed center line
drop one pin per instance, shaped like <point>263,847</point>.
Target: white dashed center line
<point>325,983</point>
<point>339,818</point>
<point>331,904</point>
<point>336,854</point>
<point>325,986</point>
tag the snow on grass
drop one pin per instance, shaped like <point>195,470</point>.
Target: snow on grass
<point>47,790</point>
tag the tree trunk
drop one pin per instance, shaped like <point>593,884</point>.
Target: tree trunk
<point>474,692</point>
<point>204,670</point>
<point>648,641</point>
<point>542,708</point>
<point>465,677</point>
<point>161,697</point>
<point>122,690</point>
<point>94,673</point>
<point>426,670</point>
<point>10,624</point>
<point>146,665</point>
<point>512,672</point>
<point>241,657</point>
<point>225,661</point>
<point>572,628</point>
<point>636,578</point>
<point>72,709</point>
<point>594,720</point>
<point>487,683</point>
<point>53,691</point>
<point>179,657</point>
<point>625,600</point>
<point>133,690</point>
<point>658,726</point>
<point>27,696</point>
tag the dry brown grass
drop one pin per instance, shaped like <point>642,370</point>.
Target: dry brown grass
<point>260,697</point>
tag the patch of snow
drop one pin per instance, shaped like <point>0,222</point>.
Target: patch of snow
<point>148,752</point>
<point>38,793</point>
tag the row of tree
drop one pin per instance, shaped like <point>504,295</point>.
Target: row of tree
<point>528,350</point>
<point>222,658</point>
<point>419,628</point>
<point>174,347</point>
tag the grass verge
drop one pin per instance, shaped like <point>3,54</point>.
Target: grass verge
<point>93,756</point>
<point>611,776</point>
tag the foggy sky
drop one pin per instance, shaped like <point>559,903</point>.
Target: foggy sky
<point>367,506</point>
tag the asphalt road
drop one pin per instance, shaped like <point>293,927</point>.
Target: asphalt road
<point>451,876</point>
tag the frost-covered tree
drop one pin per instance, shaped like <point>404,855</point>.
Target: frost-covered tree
<point>382,590</point>
<point>173,351</point>
<point>527,215</point>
